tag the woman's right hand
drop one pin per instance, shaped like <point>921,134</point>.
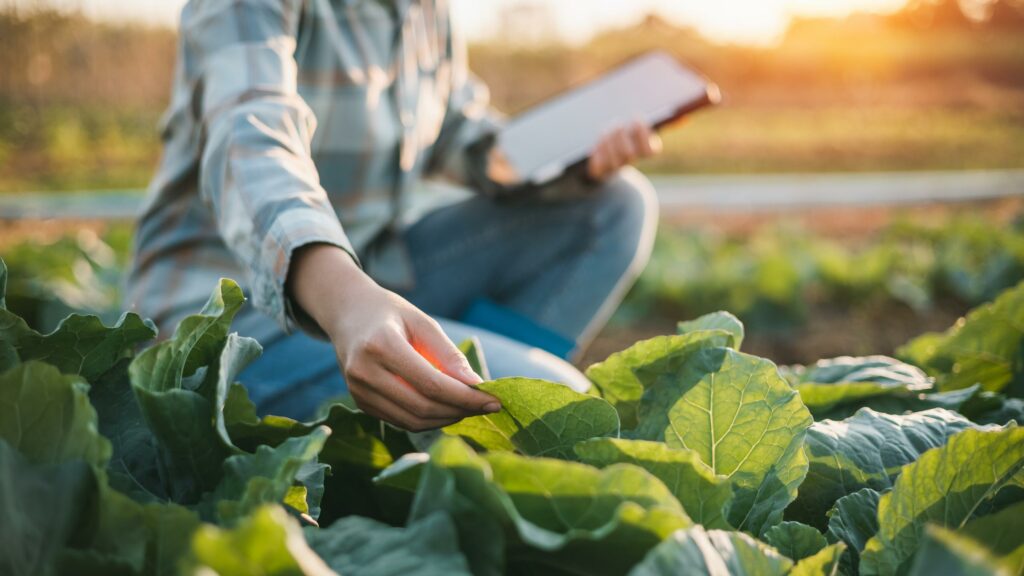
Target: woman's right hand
<point>398,363</point>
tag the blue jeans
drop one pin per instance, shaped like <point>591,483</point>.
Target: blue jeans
<point>564,264</point>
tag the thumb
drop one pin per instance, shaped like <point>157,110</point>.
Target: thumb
<point>433,344</point>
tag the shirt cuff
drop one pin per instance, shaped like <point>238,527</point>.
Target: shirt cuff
<point>292,230</point>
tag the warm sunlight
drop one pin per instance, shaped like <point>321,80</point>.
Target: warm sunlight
<point>746,21</point>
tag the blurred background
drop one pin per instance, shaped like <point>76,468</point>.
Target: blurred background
<point>860,184</point>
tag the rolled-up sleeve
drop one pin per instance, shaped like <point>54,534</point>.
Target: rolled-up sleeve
<point>256,171</point>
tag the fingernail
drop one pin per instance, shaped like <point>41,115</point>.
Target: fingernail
<point>492,408</point>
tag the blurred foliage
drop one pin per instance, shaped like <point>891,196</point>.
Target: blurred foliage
<point>80,272</point>
<point>774,278</point>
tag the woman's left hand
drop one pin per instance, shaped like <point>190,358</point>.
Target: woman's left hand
<point>622,147</point>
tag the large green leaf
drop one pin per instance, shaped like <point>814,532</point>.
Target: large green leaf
<point>252,480</point>
<point>983,348</point>
<point>944,486</point>
<point>853,521</point>
<point>866,450</point>
<point>361,546</point>
<point>951,554</point>
<point>848,380</point>
<point>563,515</point>
<point>704,495</point>
<point>743,420</point>
<point>619,385</point>
<point>45,506</point>
<point>133,468</point>
<point>359,448</point>
<point>79,345</point>
<point>794,540</point>
<point>268,543</point>
<point>47,416</point>
<point>174,383</point>
<point>537,418</point>
<point>712,552</point>
<point>715,321</point>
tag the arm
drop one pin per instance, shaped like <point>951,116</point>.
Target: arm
<point>258,177</point>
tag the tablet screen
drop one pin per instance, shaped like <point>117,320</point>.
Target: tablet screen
<point>654,88</point>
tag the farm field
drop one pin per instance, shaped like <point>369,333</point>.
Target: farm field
<point>794,386</point>
<point>155,461</point>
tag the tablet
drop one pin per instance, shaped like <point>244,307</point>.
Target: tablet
<point>543,142</point>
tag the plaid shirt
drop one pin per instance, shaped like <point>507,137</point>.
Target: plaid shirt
<point>246,176</point>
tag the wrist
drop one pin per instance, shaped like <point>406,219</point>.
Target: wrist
<point>322,280</point>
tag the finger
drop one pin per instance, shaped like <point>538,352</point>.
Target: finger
<point>405,362</point>
<point>626,149</point>
<point>615,152</point>
<point>394,389</point>
<point>598,160</point>
<point>380,407</point>
<point>641,135</point>
<point>433,344</point>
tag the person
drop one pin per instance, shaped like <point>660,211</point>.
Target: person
<point>302,148</point>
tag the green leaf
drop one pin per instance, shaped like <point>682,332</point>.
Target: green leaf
<point>824,563</point>
<point>47,416</point>
<point>983,348</point>
<point>45,506</point>
<point>538,418</point>
<point>848,380</point>
<point>705,497</point>
<point>474,353</point>
<point>356,545</point>
<point>550,512</point>
<point>866,450</point>
<point>1002,534</point>
<point>712,552</point>
<point>794,540</point>
<point>715,321</point>
<point>174,383</point>
<point>853,521</point>
<point>133,468</point>
<point>743,420</point>
<point>268,542</point>
<point>945,486</point>
<point>619,385</point>
<point>252,480</point>
<point>950,554</point>
<point>79,345</point>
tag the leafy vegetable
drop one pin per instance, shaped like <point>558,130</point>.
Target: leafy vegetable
<point>712,552</point>
<point>794,540</point>
<point>949,553</point>
<point>867,450</point>
<point>947,486</point>
<point>705,496</point>
<point>715,321</point>
<point>362,546</point>
<point>744,421</point>
<point>847,380</point>
<point>267,542</point>
<point>854,520</point>
<point>537,418</point>
<point>615,378</point>
<point>983,348</point>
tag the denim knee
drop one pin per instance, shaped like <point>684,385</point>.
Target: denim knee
<point>626,216</point>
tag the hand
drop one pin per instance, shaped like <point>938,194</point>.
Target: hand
<point>622,147</point>
<point>398,364</point>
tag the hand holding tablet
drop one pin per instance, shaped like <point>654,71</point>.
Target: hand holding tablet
<point>604,118</point>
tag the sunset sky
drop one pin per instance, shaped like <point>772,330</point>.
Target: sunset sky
<point>746,21</point>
